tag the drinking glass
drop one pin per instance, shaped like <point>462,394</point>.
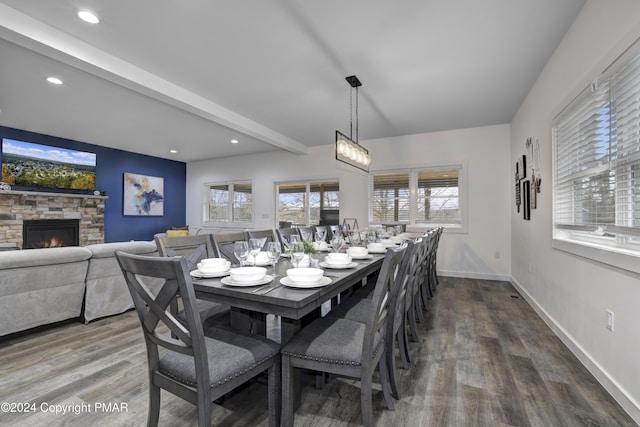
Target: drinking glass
<point>336,242</point>
<point>355,239</point>
<point>255,245</point>
<point>371,236</point>
<point>297,252</point>
<point>319,236</point>
<point>241,251</point>
<point>307,237</point>
<point>273,252</point>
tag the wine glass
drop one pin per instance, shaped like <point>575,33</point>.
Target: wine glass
<point>297,252</point>
<point>307,237</point>
<point>355,239</point>
<point>241,251</point>
<point>273,252</point>
<point>319,236</point>
<point>255,245</point>
<point>337,242</point>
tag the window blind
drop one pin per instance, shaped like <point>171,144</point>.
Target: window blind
<point>389,200</point>
<point>597,155</point>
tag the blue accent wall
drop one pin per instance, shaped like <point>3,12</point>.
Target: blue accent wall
<point>111,165</point>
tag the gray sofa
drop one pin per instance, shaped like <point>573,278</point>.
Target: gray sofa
<point>42,286</point>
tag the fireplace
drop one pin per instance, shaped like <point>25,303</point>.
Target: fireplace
<point>50,233</point>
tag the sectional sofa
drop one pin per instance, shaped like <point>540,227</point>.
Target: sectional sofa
<point>42,286</point>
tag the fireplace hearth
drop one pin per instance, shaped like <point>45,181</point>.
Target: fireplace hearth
<point>50,233</point>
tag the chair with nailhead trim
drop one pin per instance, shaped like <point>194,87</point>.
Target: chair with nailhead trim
<point>198,364</point>
<point>346,347</point>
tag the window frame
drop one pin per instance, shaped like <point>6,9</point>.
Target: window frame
<point>612,244</point>
<point>229,223</point>
<point>413,172</point>
<point>308,183</point>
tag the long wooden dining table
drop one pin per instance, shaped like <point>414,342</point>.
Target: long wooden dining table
<point>295,306</point>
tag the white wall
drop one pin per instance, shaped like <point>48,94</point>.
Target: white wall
<point>570,292</point>
<point>485,150</point>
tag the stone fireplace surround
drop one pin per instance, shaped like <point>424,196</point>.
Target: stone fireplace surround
<point>17,206</point>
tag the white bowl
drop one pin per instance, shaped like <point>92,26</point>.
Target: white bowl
<point>213,268</point>
<point>248,274</point>
<point>304,275</point>
<point>376,247</point>
<point>357,251</point>
<point>214,261</point>
<point>262,258</point>
<point>337,259</point>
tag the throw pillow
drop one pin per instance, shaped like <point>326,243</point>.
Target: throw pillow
<point>177,233</point>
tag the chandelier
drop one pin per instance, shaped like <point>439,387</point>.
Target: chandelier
<point>347,149</point>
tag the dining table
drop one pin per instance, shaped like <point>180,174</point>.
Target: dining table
<point>295,306</point>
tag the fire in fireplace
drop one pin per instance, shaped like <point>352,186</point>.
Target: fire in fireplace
<point>50,233</point>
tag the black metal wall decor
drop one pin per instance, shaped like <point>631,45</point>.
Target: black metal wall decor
<point>527,179</point>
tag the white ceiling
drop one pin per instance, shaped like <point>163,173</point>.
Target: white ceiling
<point>193,74</point>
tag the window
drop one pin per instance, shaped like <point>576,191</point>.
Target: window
<point>229,203</point>
<point>308,203</point>
<point>596,159</point>
<point>431,195</point>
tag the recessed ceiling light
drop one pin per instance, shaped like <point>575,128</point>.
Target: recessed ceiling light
<point>89,17</point>
<point>173,151</point>
<point>234,141</point>
<point>54,80</point>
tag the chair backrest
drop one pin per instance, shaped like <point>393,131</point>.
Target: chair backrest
<point>153,309</point>
<point>323,229</point>
<point>265,235</point>
<point>283,236</point>
<point>306,233</point>
<point>334,229</point>
<point>193,248</point>
<point>422,270</point>
<point>403,277</point>
<point>224,244</point>
<point>378,316</point>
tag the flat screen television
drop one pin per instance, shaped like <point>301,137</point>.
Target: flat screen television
<point>35,166</point>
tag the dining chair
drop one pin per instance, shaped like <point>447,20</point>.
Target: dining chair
<point>194,248</point>
<point>265,235</point>
<point>358,305</point>
<point>283,237</point>
<point>196,364</point>
<point>346,347</point>
<point>324,230</point>
<point>334,229</point>
<point>224,244</point>
<point>306,233</point>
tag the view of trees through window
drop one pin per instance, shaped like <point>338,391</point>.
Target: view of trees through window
<point>303,203</point>
<point>230,203</point>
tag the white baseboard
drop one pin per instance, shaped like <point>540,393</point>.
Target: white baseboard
<point>617,392</point>
<point>474,275</point>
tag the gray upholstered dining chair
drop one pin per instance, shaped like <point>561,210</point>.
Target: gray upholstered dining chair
<point>358,305</point>
<point>224,244</point>
<point>346,347</point>
<point>194,248</point>
<point>196,364</point>
<point>266,236</point>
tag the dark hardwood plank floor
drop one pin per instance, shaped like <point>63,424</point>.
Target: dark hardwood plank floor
<point>483,359</point>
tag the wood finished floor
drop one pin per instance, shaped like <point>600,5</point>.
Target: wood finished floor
<point>483,359</point>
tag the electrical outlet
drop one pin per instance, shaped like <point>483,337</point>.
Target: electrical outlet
<point>610,320</point>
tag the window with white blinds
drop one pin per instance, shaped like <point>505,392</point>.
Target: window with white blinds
<point>596,155</point>
<point>432,195</point>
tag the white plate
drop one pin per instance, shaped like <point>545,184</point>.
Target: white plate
<point>322,282</point>
<point>199,275</point>
<point>367,256</point>
<point>339,267</point>
<point>230,282</point>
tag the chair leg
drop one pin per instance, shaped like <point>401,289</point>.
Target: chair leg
<point>384,382</point>
<point>154,405</point>
<point>391,368</point>
<point>275,393</point>
<point>401,336</point>
<point>366,400</point>
<point>287,389</point>
<point>417,306</point>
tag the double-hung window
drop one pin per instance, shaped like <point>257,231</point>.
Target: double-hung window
<point>596,159</point>
<point>228,203</point>
<point>430,195</point>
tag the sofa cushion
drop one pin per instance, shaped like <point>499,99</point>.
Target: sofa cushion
<point>43,256</point>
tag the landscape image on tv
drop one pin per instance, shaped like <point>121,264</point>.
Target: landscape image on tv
<point>34,165</point>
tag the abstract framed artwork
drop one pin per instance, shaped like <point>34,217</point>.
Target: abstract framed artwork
<point>143,195</point>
